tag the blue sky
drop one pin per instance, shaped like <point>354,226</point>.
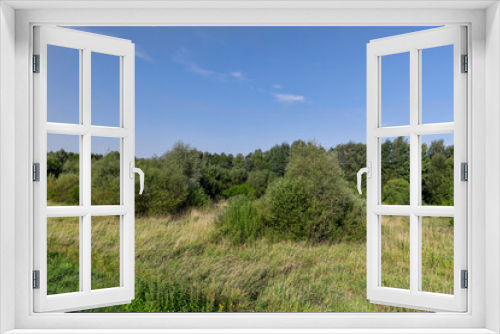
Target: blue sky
<point>236,89</point>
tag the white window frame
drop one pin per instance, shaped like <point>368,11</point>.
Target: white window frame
<point>86,44</point>
<point>414,44</point>
<point>482,19</point>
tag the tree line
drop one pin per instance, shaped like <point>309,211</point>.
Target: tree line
<point>301,189</point>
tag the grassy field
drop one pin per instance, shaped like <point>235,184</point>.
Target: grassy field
<point>182,267</point>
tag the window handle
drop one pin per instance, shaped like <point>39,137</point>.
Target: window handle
<point>141,175</point>
<point>368,171</point>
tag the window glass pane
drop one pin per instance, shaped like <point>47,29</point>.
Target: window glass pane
<point>63,85</point>
<point>395,90</point>
<point>395,251</point>
<point>437,254</point>
<point>437,170</point>
<point>437,84</point>
<point>105,171</point>
<point>105,252</point>
<point>395,170</point>
<point>63,255</point>
<point>63,170</point>
<point>105,90</point>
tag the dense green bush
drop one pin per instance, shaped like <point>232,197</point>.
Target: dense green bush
<point>215,180</point>
<point>241,189</point>
<point>313,201</point>
<point>290,211</point>
<point>396,191</point>
<point>259,179</point>
<point>238,175</point>
<point>438,188</point>
<point>64,189</point>
<point>241,221</point>
<point>106,180</point>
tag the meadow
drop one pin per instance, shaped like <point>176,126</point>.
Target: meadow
<point>277,231</point>
<point>181,266</point>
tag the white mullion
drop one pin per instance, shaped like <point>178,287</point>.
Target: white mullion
<point>98,210</point>
<point>393,131</point>
<point>392,210</point>
<point>406,210</point>
<point>40,156</point>
<point>109,210</point>
<point>419,166</point>
<point>122,176</point>
<point>67,129</point>
<point>373,184</point>
<point>414,168</point>
<point>80,130</point>
<point>81,224</point>
<point>127,221</point>
<point>103,131</point>
<point>434,211</point>
<point>433,129</point>
<point>86,172</point>
<point>460,155</point>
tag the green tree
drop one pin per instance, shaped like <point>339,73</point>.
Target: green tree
<point>277,158</point>
<point>313,201</point>
<point>396,191</point>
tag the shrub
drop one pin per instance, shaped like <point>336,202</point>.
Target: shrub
<point>214,181</point>
<point>168,191</point>
<point>198,198</point>
<point>54,166</point>
<point>396,192</point>
<point>313,201</point>
<point>288,208</point>
<point>238,175</point>
<point>438,188</point>
<point>241,189</point>
<point>259,179</point>
<point>241,221</point>
<point>64,189</point>
<point>106,180</point>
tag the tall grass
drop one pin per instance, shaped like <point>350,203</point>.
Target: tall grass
<point>241,222</point>
<point>181,267</point>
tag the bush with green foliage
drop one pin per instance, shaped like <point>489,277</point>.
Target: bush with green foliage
<point>260,179</point>
<point>241,221</point>
<point>238,175</point>
<point>64,189</point>
<point>396,191</point>
<point>313,201</point>
<point>241,189</point>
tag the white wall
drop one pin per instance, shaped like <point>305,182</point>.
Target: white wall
<point>492,164</point>
<point>7,163</point>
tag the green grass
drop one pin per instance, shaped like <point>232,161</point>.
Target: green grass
<point>182,267</point>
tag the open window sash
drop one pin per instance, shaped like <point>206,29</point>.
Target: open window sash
<point>85,43</point>
<point>415,297</point>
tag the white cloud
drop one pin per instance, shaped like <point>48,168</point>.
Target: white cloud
<point>198,70</point>
<point>238,75</point>
<point>144,56</point>
<point>288,98</point>
<point>182,56</point>
<point>276,86</point>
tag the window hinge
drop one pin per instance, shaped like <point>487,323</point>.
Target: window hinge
<point>36,172</point>
<point>465,64</point>
<point>464,171</point>
<point>36,63</point>
<point>465,279</point>
<point>36,279</point>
